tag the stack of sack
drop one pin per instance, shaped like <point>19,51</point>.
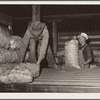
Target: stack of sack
<point>11,70</point>
<point>8,56</point>
<point>8,46</point>
<point>7,41</point>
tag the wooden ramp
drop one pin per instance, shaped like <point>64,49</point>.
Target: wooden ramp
<point>53,80</point>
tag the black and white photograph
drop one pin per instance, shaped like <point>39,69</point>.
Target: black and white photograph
<point>49,48</point>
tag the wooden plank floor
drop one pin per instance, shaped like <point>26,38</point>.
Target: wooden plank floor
<point>53,80</point>
<point>87,76</point>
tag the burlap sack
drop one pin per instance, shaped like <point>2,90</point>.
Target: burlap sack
<point>20,73</point>
<point>8,41</point>
<point>4,39</point>
<point>7,56</point>
<point>71,54</point>
<point>15,42</point>
<point>4,71</point>
<point>6,68</point>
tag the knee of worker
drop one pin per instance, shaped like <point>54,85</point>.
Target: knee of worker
<point>31,47</point>
<point>32,44</point>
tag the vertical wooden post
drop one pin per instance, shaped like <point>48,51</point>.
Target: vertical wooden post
<point>35,17</point>
<point>35,12</point>
<point>54,34</point>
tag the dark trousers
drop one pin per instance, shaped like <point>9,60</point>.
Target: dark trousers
<point>32,56</point>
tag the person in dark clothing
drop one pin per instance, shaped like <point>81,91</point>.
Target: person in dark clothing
<point>85,52</point>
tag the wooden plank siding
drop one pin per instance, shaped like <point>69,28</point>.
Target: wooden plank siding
<point>64,37</point>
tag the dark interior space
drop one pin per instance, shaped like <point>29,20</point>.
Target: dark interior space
<point>71,19</point>
<point>18,12</point>
<point>74,17</point>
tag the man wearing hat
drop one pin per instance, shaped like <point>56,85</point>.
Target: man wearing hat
<point>37,31</point>
<point>85,52</point>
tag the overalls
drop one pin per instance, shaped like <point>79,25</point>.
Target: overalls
<point>85,54</point>
<point>32,47</point>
